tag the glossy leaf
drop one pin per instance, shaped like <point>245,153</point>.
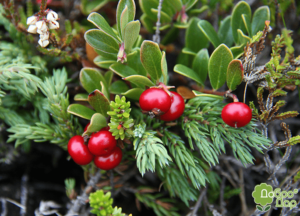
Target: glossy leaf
<point>104,62</point>
<point>134,61</point>
<point>146,6</point>
<point>243,39</point>
<point>185,92</point>
<point>100,40</point>
<point>131,34</point>
<point>218,64</point>
<point>225,32</point>
<point>185,71</point>
<point>188,51</point>
<point>106,55</point>
<point>108,77</point>
<point>208,97</point>
<point>98,121</point>
<point>164,17</point>
<point>181,25</point>
<point>151,59</point>
<point>118,87</point>
<point>89,6</point>
<point>133,94</point>
<point>122,70</point>
<point>236,18</point>
<point>81,111</point>
<point>101,23</point>
<point>198,10</point>
<point>90,79</point>
<point>140,80</point>
<point>237,51</point>
<point>171,6</point>
<point>104,90</point>
<point>235,74</point>
<point>195,40</point>
<point>147,22</point>
<point>99,102</point>
<point>124,20</point>
<point>200,64</point>
<point>209,31</point>
<point>247,23</point>
<point>164,68</point>
<point>190,4</point>
<point>131,12</point>
<point>259,17</point>
<point>81,97</point>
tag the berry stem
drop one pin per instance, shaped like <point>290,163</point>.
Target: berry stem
<point>233,96</point>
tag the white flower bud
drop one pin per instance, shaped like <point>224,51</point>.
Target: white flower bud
<point>32,29</point>
<point>31,20</point>
<point>52,16</point>
<point>44,36</point>
<point>43,43</point>
<point>42,26</point>
<point>53,25</point>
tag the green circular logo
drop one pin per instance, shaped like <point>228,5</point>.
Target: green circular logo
<point>261,194</point>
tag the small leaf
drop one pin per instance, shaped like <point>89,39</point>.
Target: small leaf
<point>259,207</point>
<point>147,23</point>
<point>131,13</point>
<point>164,17</point>
<point>185,71</point>
<point>209,32</point>
<point>198,10</point>
<point>133,94</point>
<point>185,92</point>
<point>259,17</point>
<point>99,102</point>
<point>171,6</point>
<point>267,208</point>
<point>104,90</point>
<point>237,51</point>
<point>89,6</point>
<point>140,80</point>
<point>81,97</point>
<point>225,32</point>
<point>235,74</point>
<point>118,87</point>
<point>122,70</point>
<point>164,68</point>
<point>247,23</point>
<point>90,79</point>
<point>195,40</point>
<point>104,62</point>
<point>243,39</point>
<point>124,21</point>
<point>190,4</point>
<point>151,59</point>
<point>97,122</point>
<point>236,18</point>
<point>100,40</point>
<point>200,64</point>
<point>108,77</point>
<point>218,64</point>
<point>131,33</point>
<point>188,51</point>
<point>134,61</point>
<point>146,6</point>
<point>101,23</point>
<point>81,111</point>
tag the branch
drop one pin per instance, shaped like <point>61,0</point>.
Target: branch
<point>198,203</point>
<point>156,37</point>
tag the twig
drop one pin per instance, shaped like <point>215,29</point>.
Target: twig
<point>198,203</point>
<point>156,37</point>
<point>222,203</point>
<point>15,203</point>
<point>242,194</point>
<point>24,193</point>
<point>4,209</point>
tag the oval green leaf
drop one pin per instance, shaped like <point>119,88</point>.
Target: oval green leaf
<point>89,6</point>
<point>100,40</point>
<point>247,23</point>
<point>151,59</point>
<point>118,87</point>
<point>130,12</point>
<point>90,79</point>
<point>259,17</point>
<point>146,6</point>
<point>103,62</point>
<point>81,111</point>
<point>185,71</point>
<point>108,77</point>
<point>237,51</point>
<point>138,79</point>
<point>200,64</point>
<point>99,102</point>
<point>122,70</point>
<point>243,39</point>
<point>81,97</point>
<point>98,121</point>
<point>190,4</point>
<point>235,74</point>
<point>225,32</point>
<point>147,23</point>
<point>131,33</point>
<point>218,64</point>
<point>209,31</point>
<point>134,61</point>
<point>164,68</point>
<point>133,94</point>
<point>164,17</point>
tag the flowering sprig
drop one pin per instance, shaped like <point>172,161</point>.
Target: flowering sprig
<point>41,24</point>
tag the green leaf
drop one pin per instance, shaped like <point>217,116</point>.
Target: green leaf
<point>90,79</point>
<point>122,70</point>
<point>188,51</point>
<point>146,6</point>
<point>124,21</point>
<point>131,33</point>
<point>101,23</point>
<point>237,51</point>
<point>218,64</point>
<point>139,79</point>
<point>151,59</point>
<point>259,207</point>
<point>118,87</point>
<point>267,207</point>
<point>134,61</point>
<point>81,97</point>
<point>171,6</point>
<point>89,6</point>
<point>133,94</point>
<point>147,23</point>
<point>185,71</point>
<point>81,111</point>
<point>164,17</point>
<point>130,13</point>
<point>164,68</point>
<point>200,64</point>
<point>99,102</point>
<point>195,40</point>
<point>243,39</point>
<point>100,40</point>
<point>104,90</point>
<point>235,74</point>
<point>236,18</point>
<point>247,23</point>
<point>190,4</point>
<point>108,77</point>
<point>209,31</point>
<point>181,25</point>
<point>225,32</point>
<point>198,10</point>
<point>106,55</point>
<point>104,62</point>
<point>259,17</point>
<point>97,122</point>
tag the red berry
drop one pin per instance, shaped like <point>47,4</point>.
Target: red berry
<point>105,129</point>
<point>176,109</point>
<point>78,151</point>
<point>236,114</point>
<point>155,98</point>
<point>102,143</point>
<point>108,162</point>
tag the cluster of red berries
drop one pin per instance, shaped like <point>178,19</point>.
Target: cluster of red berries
<point>102,148</point>
<point>156,99</point>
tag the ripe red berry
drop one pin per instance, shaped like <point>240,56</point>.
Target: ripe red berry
<point>155,98</point>
<point>110,161</point>
<point>78,151</point>
<point>236,114</point>
<point>102,143</point>
<point>176,109</point>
